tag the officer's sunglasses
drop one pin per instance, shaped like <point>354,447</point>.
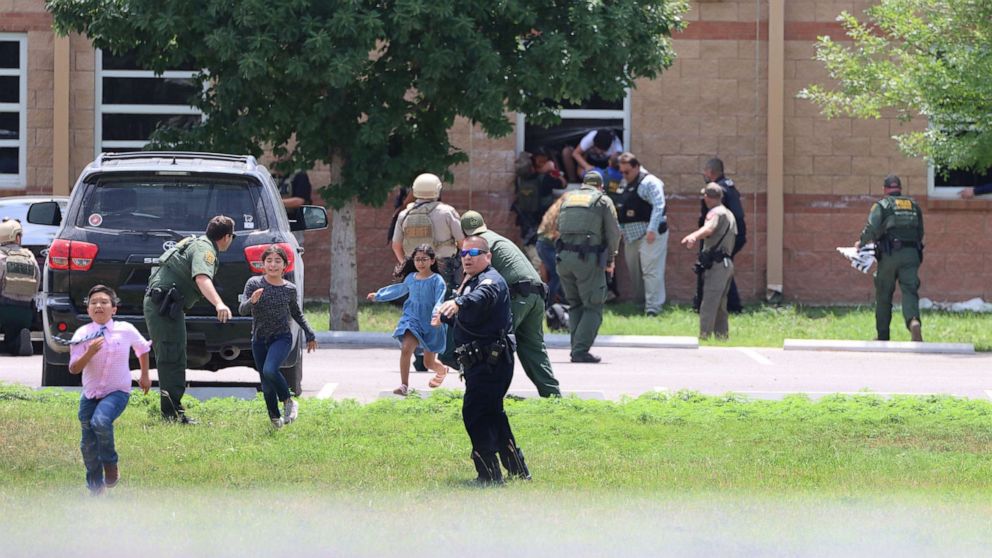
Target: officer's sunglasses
<point>472,252</point>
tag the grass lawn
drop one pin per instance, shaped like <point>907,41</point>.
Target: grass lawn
<point>676,475</point>
<point>656,444</point>
<point>758,326</point>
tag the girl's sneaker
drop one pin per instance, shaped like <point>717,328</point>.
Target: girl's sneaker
<point>277,423</point>
<point>291,410</point>
<point>402,390</point>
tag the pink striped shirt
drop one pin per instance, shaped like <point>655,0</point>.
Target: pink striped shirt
<point>108,371</point>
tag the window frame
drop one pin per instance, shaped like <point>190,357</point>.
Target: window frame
<point>10,181</point>
<point>584,114</point>
<point>101,146</point>
<point>949,192</point>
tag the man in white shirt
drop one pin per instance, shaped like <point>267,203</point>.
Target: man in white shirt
<point>594,151</point>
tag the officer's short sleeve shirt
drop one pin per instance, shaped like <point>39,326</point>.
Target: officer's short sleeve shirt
<point>203,258</point>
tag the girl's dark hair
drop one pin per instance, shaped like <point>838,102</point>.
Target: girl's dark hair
<point>408,267</point>
<point>273,249</point>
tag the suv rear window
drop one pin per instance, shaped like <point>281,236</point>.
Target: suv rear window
<point>178,204</point>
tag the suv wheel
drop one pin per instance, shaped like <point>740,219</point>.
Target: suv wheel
<point>56,374</point>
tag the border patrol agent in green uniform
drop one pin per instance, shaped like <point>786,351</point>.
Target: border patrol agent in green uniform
<point>185,273</point>
<point>895,225</point>
<point>587,245</point>
<point>527,295</point>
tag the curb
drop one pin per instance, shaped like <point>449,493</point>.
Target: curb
<point>356,339</point>
<point>878,346</point>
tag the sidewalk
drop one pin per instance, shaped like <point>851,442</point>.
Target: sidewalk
<point>552,340</point>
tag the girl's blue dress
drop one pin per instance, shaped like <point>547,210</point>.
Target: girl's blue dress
<point>426,295</point>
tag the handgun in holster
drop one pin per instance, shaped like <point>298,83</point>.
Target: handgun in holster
<point>171,305</point>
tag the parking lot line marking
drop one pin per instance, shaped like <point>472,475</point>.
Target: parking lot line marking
<point>755,356</point>
<point>327,391</point>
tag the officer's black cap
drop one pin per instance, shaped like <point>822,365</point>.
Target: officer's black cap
<point>892,181</point>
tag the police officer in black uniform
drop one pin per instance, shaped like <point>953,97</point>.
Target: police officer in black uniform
<point>483,330</point>
<point>713,172</point>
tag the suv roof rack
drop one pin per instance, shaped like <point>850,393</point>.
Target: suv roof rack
<point>248,161</point>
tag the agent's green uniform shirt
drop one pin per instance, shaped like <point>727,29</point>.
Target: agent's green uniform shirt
<point>178,266</point>
<point>895,217</point>
<point>587,219</point>
<point>181,264</point>
<point>528,312</point>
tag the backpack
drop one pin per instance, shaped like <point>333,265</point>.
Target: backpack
<point>529,193</point>
<point>417,227</point>
<point>557,317</point>
<point>20,277</point>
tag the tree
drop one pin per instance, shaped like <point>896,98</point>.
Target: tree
<point>929,58</point>
<point>371,87</point>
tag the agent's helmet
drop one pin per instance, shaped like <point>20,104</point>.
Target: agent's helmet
<point>427,187</point>
<point>9,230</point>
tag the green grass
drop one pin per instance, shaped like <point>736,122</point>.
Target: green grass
<point>837,446</point>
<point>758,326</point>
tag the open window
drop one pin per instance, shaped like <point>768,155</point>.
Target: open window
<point>940,186</point>
<point>576,121</point>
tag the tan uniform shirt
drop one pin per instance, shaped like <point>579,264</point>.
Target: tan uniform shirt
<point>720,220</point>
<point>447,229</point>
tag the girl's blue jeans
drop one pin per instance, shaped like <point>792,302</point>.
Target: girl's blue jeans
<point>269,355</point>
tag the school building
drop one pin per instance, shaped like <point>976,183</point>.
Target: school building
<point>806,182</point>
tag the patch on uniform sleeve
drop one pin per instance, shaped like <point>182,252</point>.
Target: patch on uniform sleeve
<point>905,205</point>
<point>486,282</point>
<point>874,206</point>
<point>210,258</point>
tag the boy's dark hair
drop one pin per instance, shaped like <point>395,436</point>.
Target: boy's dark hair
<point>603,139</point>
<point>274,249</point>
<point>219,227</point>
<point>105,290</point>
<point>408,267</point>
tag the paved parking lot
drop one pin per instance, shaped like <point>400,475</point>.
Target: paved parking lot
<point>366,373</point>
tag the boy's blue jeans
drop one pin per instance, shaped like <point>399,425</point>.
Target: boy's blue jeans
<point>269,355</point>
<point>96,417</point>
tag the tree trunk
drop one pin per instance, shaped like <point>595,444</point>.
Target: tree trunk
<point>344,270</point>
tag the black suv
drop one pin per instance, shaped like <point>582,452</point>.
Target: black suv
<point>126,209</point>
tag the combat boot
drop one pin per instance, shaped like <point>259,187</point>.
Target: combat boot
<point>488,468</point>
<point>916,330</point>
<point>512,458</point>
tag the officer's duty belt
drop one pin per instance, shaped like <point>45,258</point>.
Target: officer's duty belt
<point>527,288</point>
<point>562,246</point>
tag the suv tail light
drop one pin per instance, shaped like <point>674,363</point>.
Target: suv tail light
<point>72,254</point>
<point>254,256</point>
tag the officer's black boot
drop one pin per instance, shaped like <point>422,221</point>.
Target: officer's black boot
<point>488,468</point>
<point>418,362</point>
<point>512,458</point>
<point>169,410</point>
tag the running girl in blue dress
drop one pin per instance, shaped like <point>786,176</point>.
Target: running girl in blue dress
<point>425,287</point>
